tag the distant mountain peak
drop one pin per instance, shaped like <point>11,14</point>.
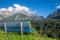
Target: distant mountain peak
<point>55,14</point>
<point>6,16</point>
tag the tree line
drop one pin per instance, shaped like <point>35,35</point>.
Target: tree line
<point>47,27</point>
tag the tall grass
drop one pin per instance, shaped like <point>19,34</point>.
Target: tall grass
<point>16,36</point>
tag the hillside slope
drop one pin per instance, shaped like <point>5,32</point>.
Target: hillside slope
<point>55,14</point>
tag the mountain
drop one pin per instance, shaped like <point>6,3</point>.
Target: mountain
<point>1,17</point>
<point>36,17</point>
<point>55,14</point>
<point>16,17</point>
<point>5,16</point>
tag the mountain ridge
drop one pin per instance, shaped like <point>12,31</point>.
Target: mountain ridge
<point>19,16</point>
<point>55,14</point>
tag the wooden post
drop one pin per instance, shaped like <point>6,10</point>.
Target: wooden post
<point>29,25</point>
<point>5,28</point>
<point>30,29</point>
<point>21,30</point>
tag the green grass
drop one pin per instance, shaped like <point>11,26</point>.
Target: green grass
<point>15,36</point>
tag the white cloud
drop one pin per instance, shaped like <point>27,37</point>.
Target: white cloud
<point>10,9</point>
<point>33,11</point>
<point>17,8</point>
<point>21,8</point>
<point>58,6</point>
<point>3,9</point>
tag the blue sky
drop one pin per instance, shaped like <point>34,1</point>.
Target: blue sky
<point>43,7</point>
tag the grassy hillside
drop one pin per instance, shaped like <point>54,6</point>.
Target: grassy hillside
<point>16,36</point>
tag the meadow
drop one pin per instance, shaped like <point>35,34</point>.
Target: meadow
<point>17,36</point>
